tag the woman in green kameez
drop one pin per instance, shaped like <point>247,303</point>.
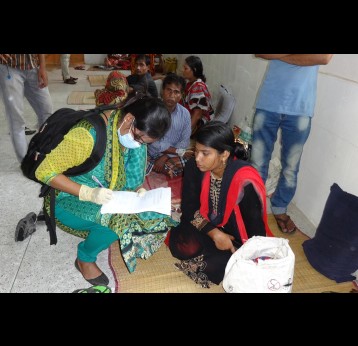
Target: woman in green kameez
<point>122,168</point>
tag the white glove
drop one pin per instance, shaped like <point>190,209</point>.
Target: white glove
<point>141,192</point>
<point>98,195</point>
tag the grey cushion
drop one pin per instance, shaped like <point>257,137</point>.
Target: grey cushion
<point>225,105</point>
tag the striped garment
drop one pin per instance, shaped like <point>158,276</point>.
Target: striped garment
<point>197,96</point>
<point>20,61</point>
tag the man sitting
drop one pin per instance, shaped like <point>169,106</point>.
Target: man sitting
<point>142,79</point>
<point>168,155</point>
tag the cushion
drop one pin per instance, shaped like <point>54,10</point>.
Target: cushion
<point>225,105</point>
<point>334,249</point>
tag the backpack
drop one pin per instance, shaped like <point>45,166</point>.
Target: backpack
<point>50,134</point>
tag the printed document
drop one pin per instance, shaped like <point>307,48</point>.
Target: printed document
<point>126,202</point>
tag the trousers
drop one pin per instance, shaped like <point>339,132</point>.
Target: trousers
<point>295,130</point>
<point>65,63</point>
<point>15,85</point>
<point>99,237</point>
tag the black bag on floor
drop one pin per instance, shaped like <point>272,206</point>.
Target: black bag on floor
<point>50,134</point>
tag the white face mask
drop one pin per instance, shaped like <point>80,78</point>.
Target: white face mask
<point>127,140</point>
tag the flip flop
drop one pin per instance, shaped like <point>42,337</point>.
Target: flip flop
<point>25,227</point>
<point>94,289</point>
<point>285,223</point>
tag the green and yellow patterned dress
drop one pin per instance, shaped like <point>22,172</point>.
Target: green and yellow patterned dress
<point>120,169</point>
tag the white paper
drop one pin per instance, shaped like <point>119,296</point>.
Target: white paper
<point>125,202</point>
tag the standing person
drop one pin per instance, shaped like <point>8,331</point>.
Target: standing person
<point>65,65</point>
<point>122,168</point>
<point>286,100</point>
<point>223,204</point>
<point>168,156</point>
<point>197,98</point>
<point>142,79</point>
<point>24,75</point>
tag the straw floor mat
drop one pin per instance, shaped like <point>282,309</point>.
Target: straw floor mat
<point>98,80</point>
<point>104,69</point>
<point>158,274</point>
<point>94,68</point>
<point>81,98</point>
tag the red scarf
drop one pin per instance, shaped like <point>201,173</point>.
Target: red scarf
<point>242,176</point>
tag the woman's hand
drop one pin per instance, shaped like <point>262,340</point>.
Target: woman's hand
<point>222,240</point>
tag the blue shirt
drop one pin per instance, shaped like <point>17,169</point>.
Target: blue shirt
<point>289,89</point>
<point>178,135</point>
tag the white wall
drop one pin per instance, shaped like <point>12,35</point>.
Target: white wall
<point>95,59</point>
<point>331,152</point>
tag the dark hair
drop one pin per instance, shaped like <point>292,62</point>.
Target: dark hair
<point>143,57</point>
<point>151,115</point>
<point>196,66</point>
<point>220,137</point>
<point>173,78</point>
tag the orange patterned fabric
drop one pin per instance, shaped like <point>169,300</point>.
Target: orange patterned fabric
<point>115,91</point>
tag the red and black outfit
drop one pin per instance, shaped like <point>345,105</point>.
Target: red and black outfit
<point>236,204</point>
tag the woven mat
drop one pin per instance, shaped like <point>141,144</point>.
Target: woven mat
<point>98,80</point>
<point>81,98</point>
<point>93,68</point>
<point>158,274</point>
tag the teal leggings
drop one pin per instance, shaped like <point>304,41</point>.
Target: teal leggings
<point>98,239</point>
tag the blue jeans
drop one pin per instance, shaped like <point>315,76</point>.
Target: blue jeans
<point>295,131</point>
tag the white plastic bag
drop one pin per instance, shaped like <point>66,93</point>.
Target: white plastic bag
<point>261,265</point>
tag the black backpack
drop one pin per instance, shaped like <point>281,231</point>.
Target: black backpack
<point>50,134</point>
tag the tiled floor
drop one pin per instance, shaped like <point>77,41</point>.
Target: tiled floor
<point>33,265</point>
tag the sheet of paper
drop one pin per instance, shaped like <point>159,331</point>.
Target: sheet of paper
<point>125,202</point>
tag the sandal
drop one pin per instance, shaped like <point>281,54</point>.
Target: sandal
<point>285,223</point>
<point>80,67</point>
<point>94,289</point>
<point>25,227</point>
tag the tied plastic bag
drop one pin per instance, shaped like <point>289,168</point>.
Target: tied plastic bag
<point>261,265</point>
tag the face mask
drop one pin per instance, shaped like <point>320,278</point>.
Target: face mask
<point>127,140</point>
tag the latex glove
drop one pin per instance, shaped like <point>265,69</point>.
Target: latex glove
<point>98,195</point>
<point>141,192</point>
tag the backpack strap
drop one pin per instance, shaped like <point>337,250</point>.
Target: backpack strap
<point>50,219</point>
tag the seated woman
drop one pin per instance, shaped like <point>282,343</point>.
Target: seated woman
<point>223,204</point>
<point>197,98</point>
<point>140,121</point>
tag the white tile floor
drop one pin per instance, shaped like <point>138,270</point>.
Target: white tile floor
<point>33,265</point>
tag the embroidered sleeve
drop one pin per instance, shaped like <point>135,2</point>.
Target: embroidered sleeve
<point>199,221</point>
<point>202,224</point>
